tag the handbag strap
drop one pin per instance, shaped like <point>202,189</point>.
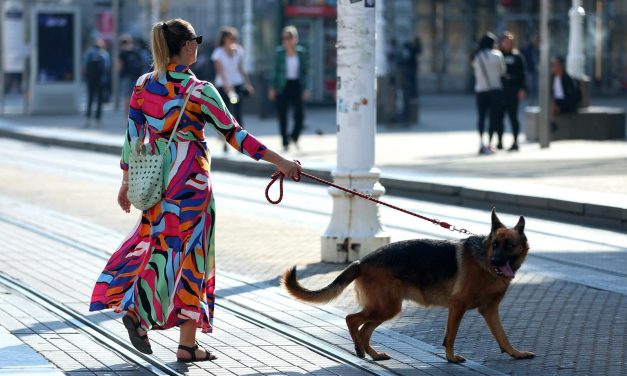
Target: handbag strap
<point>189,93</point>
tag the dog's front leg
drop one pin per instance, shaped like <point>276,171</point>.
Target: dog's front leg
<point>490,313</point>
<point>456,310</point>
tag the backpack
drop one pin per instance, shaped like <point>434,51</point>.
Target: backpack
<point>95,65</point>
<point>133,64</point>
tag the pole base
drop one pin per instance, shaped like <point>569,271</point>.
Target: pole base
<point>341,250</point>
<point>355,228</point>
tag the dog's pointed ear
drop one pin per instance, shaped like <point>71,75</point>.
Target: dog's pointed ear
<point>496,223</point>
<point>520,226</point>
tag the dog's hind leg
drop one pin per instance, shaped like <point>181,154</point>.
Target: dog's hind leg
<point>354,321</point>
<point>490,313</point>
<point>387,305</point>
<point>365,333</point>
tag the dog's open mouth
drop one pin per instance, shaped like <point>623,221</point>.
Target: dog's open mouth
<point>504,270</point>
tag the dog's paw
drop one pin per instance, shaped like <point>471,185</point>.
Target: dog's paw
<point>455,359</point>
<point>360,353</point>
<point>523,354</point>
<point>381,356</point>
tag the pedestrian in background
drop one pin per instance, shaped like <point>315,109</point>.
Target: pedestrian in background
<point>130,66</point>
<point>146,57</point>
<point>514,88</point>
<point>288,84</point>
<point>531,52</point>
<point>163,274</point>
<point>97,64</point>
<point>231,78</point>
<point>489,67</point>
<point>565,92</point>
<point>409,60</point>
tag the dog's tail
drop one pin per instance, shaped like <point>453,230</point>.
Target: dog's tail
<point>324,294</point>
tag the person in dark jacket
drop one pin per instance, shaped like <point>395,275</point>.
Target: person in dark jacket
<point>514,88</point>
<point>289,84</point>
<point>97,65</point>
<point>565,92</point>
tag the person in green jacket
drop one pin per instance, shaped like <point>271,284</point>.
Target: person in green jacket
<point>288,84</point>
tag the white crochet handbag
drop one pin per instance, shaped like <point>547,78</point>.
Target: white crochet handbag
<point>145,170</point>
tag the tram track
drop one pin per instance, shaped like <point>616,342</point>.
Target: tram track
<point>109,340</point>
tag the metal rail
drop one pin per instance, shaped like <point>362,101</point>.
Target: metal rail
<point>150,364</point>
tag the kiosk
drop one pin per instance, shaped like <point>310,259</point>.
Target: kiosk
<point>55,61</point>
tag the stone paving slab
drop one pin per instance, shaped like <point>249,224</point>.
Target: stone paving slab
<point>19,358</point>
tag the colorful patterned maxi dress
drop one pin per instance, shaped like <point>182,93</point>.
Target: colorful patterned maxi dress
<point>164,270</point>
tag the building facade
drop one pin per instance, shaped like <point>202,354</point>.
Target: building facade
<point>448,31</point>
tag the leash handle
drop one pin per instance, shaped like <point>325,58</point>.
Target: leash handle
<point>278,175</point>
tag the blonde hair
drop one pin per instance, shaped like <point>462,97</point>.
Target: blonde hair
<point>291,30</point>
<point>168,37</point>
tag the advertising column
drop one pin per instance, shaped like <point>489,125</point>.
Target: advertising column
<point>55,60</point>
<point>355,228</point>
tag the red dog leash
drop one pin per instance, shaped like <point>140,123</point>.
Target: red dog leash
<point>279,175</point>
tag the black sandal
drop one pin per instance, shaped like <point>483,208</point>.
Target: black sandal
<point>192,351</point>
<point>139,342</point>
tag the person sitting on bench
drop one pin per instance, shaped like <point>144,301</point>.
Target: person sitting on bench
<point>565,93</point>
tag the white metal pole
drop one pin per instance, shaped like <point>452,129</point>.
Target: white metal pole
<point>544,130</point>
<point>575,60</point>
<point>355,228</point>
<point>248,36</point>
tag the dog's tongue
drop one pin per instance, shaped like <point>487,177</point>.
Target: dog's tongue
<point>507,270</point>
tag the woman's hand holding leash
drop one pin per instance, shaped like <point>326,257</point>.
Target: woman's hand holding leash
<point>291,169</point>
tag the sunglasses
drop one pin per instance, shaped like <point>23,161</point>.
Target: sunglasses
<point>198,39</point>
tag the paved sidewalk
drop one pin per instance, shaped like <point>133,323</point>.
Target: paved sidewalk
<point>577,181</point>
<point>574,329</point>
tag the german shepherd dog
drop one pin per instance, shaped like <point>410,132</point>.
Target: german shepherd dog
<point>460,274</point>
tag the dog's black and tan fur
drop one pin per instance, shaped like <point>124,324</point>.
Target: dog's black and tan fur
<point>471,273</point>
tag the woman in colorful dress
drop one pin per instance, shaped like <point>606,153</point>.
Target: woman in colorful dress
<point>163,274</point>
